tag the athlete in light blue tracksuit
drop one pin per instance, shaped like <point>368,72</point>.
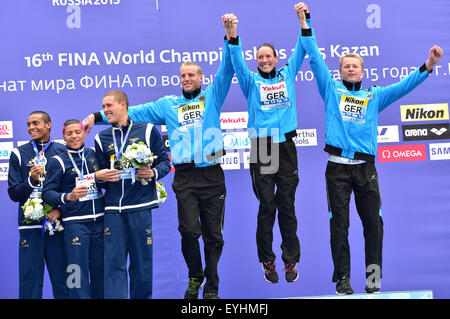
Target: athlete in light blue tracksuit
<point>71,185</point>
<point>27,171</point>
<point>196,143</point>
<point>272,123</point>
<point>128,201</point>
<point>351,121</point>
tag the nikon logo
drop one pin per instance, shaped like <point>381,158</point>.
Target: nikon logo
<point>424,112</point>
<point>351,99</point>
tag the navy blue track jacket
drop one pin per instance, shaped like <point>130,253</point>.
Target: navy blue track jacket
<point>20,183</point>
<point>60,181</point>
<point>123,195</point>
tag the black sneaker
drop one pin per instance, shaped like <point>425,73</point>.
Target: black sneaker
<point>343,286</point>
<point>270,274</point>
<point>210,295</point>
<point>373,288</point>
<point>291,274</point>
<point>194,286</point>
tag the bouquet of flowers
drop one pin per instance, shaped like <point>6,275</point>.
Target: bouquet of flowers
<point>36,210</point>
<point>162,194</point>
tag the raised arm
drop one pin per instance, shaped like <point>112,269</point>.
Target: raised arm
<point>321,72</point>
<point>224,75</point>
<point>391,93</point>
<point>153,112</point>
<point>298,55</point>
<point>243,73</point>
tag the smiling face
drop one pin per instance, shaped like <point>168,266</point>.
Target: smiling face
<point>351,69</point>
<point>191,77</point>
<point>38,129</point>
<point>266,59</point>
<point>116,112</point>
<point>74,136</point>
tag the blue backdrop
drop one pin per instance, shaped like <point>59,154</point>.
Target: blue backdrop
<point>62,56</point>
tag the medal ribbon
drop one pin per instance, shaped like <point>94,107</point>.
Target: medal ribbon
<point>123,142</point>
<point>42,152</point>
<point>80,173</point>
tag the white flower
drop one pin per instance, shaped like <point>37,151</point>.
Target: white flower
<point>38,207</point>
<point>143,149</point>
<point>132,154</point>
<point>38,200</point>
<point>28,211</point>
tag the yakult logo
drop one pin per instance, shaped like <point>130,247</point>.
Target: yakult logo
<point>274,87</point>
<point>6,129</point>
<point>402,153</point>
<point>233,120</point>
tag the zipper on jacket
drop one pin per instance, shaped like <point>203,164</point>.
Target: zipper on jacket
<point>121,197</point>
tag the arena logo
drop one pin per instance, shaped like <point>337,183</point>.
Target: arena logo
<point>5,150</point>
<point>6,129</point>
<point>388,134</point>
<point>426,132</point>
<point>439,151</point>
<point>424,112</point>
<point>402,153</point>
<point>233,120</point>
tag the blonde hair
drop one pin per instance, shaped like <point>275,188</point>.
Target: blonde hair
<point>351,55</point>
<point>199,68</point>
<point>119,96</point>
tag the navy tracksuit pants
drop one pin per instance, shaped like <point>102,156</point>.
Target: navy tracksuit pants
<point>84,250</point>
<point>128,233</point>
<point>35,251</point>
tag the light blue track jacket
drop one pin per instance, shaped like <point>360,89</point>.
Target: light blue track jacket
<point>271,101</point>
<point>193,124</point>
<point>351,113</point>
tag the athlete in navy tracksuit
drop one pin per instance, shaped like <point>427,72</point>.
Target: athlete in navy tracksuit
<point>351,121</point>
<point>82,216</point>
<point>193,123</point>
<point>128,206</point>
<point>272,123</point>
<point>25,179</point>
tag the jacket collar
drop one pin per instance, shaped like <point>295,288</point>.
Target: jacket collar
<point>193,94</point>
<point>120,127</point>
<point>75,151</point>
<point>270,75</point>
<point>356,86</point>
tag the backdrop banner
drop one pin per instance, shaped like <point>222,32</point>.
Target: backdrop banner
<point>62,56</point>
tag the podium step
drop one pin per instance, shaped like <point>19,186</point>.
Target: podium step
<point>419,294</point>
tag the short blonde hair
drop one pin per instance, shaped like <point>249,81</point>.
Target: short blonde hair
<point>119,96</point>
<point>351,55</point>
<point>199,68</point>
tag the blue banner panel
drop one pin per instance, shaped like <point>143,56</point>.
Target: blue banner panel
<point>62,56</point>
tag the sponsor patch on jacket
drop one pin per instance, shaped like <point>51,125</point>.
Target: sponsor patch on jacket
<point>353,109</point>
<point>274,96</point>
<point>191,115</point>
